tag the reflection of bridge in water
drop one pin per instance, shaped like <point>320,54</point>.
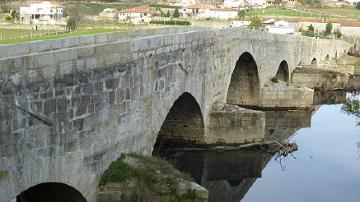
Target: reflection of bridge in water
<point>228,175</point>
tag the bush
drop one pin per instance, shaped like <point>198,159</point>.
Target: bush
<point>338,33</point>
<point>8,18</point>
<point>71,23</point>
<point>168,14</point>
<point>176,13</point>
<point>170,22</point>
<point>275,80</point>
<point>256,22</point>
<point>241,14</point>
<point>309,32</point>
<point>328,29</point>
<point>358,5</point>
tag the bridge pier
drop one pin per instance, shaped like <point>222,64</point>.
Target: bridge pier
<point>286,96</point>
<point>321,79</point>
<point>230,124</point>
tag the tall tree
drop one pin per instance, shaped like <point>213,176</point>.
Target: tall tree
<point>328,29</point>
<point>176,13</point>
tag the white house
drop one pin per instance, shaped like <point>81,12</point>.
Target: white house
<point>257,3</point>
<point>220,13</point>
<point>44,13</point>
<point>236,4</point>
<point>280,27</point>
<point>352,2</point>
<point>137,15</point>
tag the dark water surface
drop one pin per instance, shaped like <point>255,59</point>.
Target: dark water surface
<point>326,168</point>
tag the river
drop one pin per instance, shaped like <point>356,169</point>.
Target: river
<point>325,168</point>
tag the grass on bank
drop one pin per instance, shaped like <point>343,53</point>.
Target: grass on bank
<point>278,11</point>
<point>73,33</point>
<point>119,171</point>
<point>345,10</point>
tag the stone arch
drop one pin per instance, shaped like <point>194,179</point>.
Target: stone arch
<point>184,124</point>
<point>50,191</point>
<point>327,58</point>
<point>244,87</point>
<point>314,62</point>
<point>283,72</point>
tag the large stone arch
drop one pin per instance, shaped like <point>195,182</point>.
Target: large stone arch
<point>283,72</point>
<point>50,191</point>
<point>184,124</point>
<point>244,87</point>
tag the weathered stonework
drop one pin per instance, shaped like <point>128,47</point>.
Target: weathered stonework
<point>70,107</point>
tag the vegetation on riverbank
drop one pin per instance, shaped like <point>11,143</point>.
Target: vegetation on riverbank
<point>143,168</point>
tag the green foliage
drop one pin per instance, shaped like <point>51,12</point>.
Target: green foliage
<point>358,5</point>
<point>328,29</point>
<point>4,8</point>
<point>338,33</point>
<point>352,107</point>
<point>8,18</point>
<point>163,6</point>
<point>73,10</point>
<point>3,174</point>
<point>309,32</point>
<point>71,23</point>
<point>275,79</point>
<point>168,14</point>
<point>176,13</point>
<point>256,22</point>
<point>117,172</point>
<point>170,22</point>
<point>311,28</point>
<point>241,14</point>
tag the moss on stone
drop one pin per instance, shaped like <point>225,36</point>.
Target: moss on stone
<point>3,174</point>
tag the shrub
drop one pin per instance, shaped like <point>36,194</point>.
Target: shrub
<point>168,14</point>
<point>358,5</point>
<point>176,13</point>
<point>338,33</point>
<point>170,22</point>
<point>256,22</point>
<point>8,18</point>
<point>71,23</point>
<point>328,29</point>
<point>275,80</point>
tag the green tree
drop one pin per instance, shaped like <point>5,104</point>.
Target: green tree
<point>241,14</point>
<point>358,5</point>
<point>338,33</point>
<point>176,13</point>
<point>256,22</point>
<point>168,14</point>
<point>311,28</point>
<point>328,29</point>
<point>71,23</point>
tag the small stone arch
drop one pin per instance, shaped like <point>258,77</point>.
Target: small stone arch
<point>283,72</point>
<point>327,58</point>
<point>50,191</point>
<point>314,62</point>
<point>244,87</point>
<point>184,124</point>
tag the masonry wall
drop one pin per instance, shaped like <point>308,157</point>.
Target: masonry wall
<point>73,109</point>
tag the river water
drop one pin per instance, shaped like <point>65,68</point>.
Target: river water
<point>325,168</point>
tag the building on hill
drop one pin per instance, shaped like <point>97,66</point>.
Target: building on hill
<point>44,13</point>
<point>257,3</point>
<point>136,15</point>
<point>235,4</point>
<point>289,3</point>
<point>194,9</point>
<point>270,2</point>
<point>220,13</point>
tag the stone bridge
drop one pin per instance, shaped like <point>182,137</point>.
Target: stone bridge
<point>69,107</point>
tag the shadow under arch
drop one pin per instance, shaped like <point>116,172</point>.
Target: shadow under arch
<point>50,192</point>
<point>183,125</point>
<point>283,72</point>
<point>314,62</point>
<point>244,87</point>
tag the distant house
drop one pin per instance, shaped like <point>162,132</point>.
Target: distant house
<point>194,9</point>
<point>220,13</point>
<point>270,2</point>
<point>44,13</point>
<point>257,3</point>
<point>235,4</point>
<point>289,3</point>
<point>137,15</point>
<point>280,27</point>
<point>109,13</point>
